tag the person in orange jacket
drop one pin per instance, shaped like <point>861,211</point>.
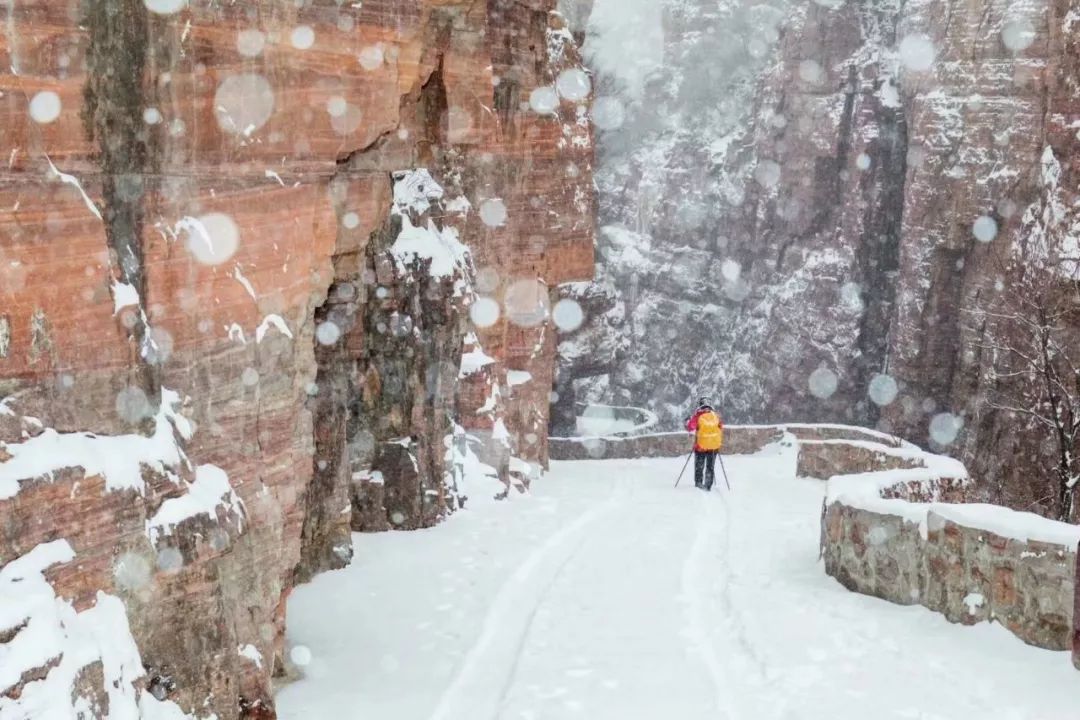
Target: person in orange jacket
<point>708,431</point>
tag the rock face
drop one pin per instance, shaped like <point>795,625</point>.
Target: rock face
<point>813,210</point>
<point>240,251</point>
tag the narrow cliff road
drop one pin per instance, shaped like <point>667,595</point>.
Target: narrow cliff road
<point>607,594</point>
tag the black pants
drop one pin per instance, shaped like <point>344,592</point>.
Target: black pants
<point>704,464</point>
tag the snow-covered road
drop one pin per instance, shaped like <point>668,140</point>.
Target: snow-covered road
<point>609,595</point>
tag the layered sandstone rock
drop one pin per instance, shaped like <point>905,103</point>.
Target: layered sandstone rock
<point>203,260</point>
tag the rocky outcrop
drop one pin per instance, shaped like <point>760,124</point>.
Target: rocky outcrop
<point>844,190</point>
<point>238,270</point>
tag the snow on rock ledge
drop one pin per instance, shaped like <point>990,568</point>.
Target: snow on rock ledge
<point>905,534</point>
<point>415,192</point>
<point>119,459</point>
<point>47,665</point>
<point>210,491</point>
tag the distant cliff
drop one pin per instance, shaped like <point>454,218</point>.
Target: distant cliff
<point>820,211</point>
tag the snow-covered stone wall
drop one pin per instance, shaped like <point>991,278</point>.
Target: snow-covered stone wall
<point>738,440</point>
<point>819,445</point>
<point>908,535</point>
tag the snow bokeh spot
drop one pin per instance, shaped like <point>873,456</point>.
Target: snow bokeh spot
<point>823,383</point>
<point>348,121</point>
<point>169,559</point>
<point>250,377</point>
<point>863,162</point>
<point>944,427</point>
<point>883,390</point>
<point>487,280</point>
<point>327,333</point>
<point>484,312</point>
<point>493,212</point>
<point>302,37</point>
<point>459,124</point>
<point>573,84</point>
<point>243,103</point>
<point>851,295</point>
<point>300,655</point>
<point>212,238</point>
<point>165,7</point>
<point>371,57</point>
<point>45,107</point>
<point>250,42</point>
<point>811,72</point>
<point>917,52</point>
<point>151,116</point>
<point>526,303</point>
<point>730,270</point>
<point>158,346</point>
<point>568,315</point>
<point>1018,35</point>
<point>544,100</point>
<point>737,291</point>
<point>985,229</point>
<point>132,572</point>
<point>878,536</point>
<point>350,220</point>
<point>595,447</point>
<point>767,173</point>
<point>336,106</point>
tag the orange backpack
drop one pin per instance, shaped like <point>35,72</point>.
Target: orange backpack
<point>710,431</point>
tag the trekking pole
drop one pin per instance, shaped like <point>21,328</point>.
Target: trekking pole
<point>723,470</point>
<point>687,464</point>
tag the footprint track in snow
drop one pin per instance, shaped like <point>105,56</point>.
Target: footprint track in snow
<point>474,694</point>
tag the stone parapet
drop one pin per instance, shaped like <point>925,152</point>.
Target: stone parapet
<point>901,527</point>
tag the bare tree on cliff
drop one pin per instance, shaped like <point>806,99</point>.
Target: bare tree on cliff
<point>1031,330</point>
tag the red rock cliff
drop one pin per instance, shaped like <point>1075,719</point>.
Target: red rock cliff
<point>238,254</point>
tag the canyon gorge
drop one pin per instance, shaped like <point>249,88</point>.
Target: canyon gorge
<point>274,273</point>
